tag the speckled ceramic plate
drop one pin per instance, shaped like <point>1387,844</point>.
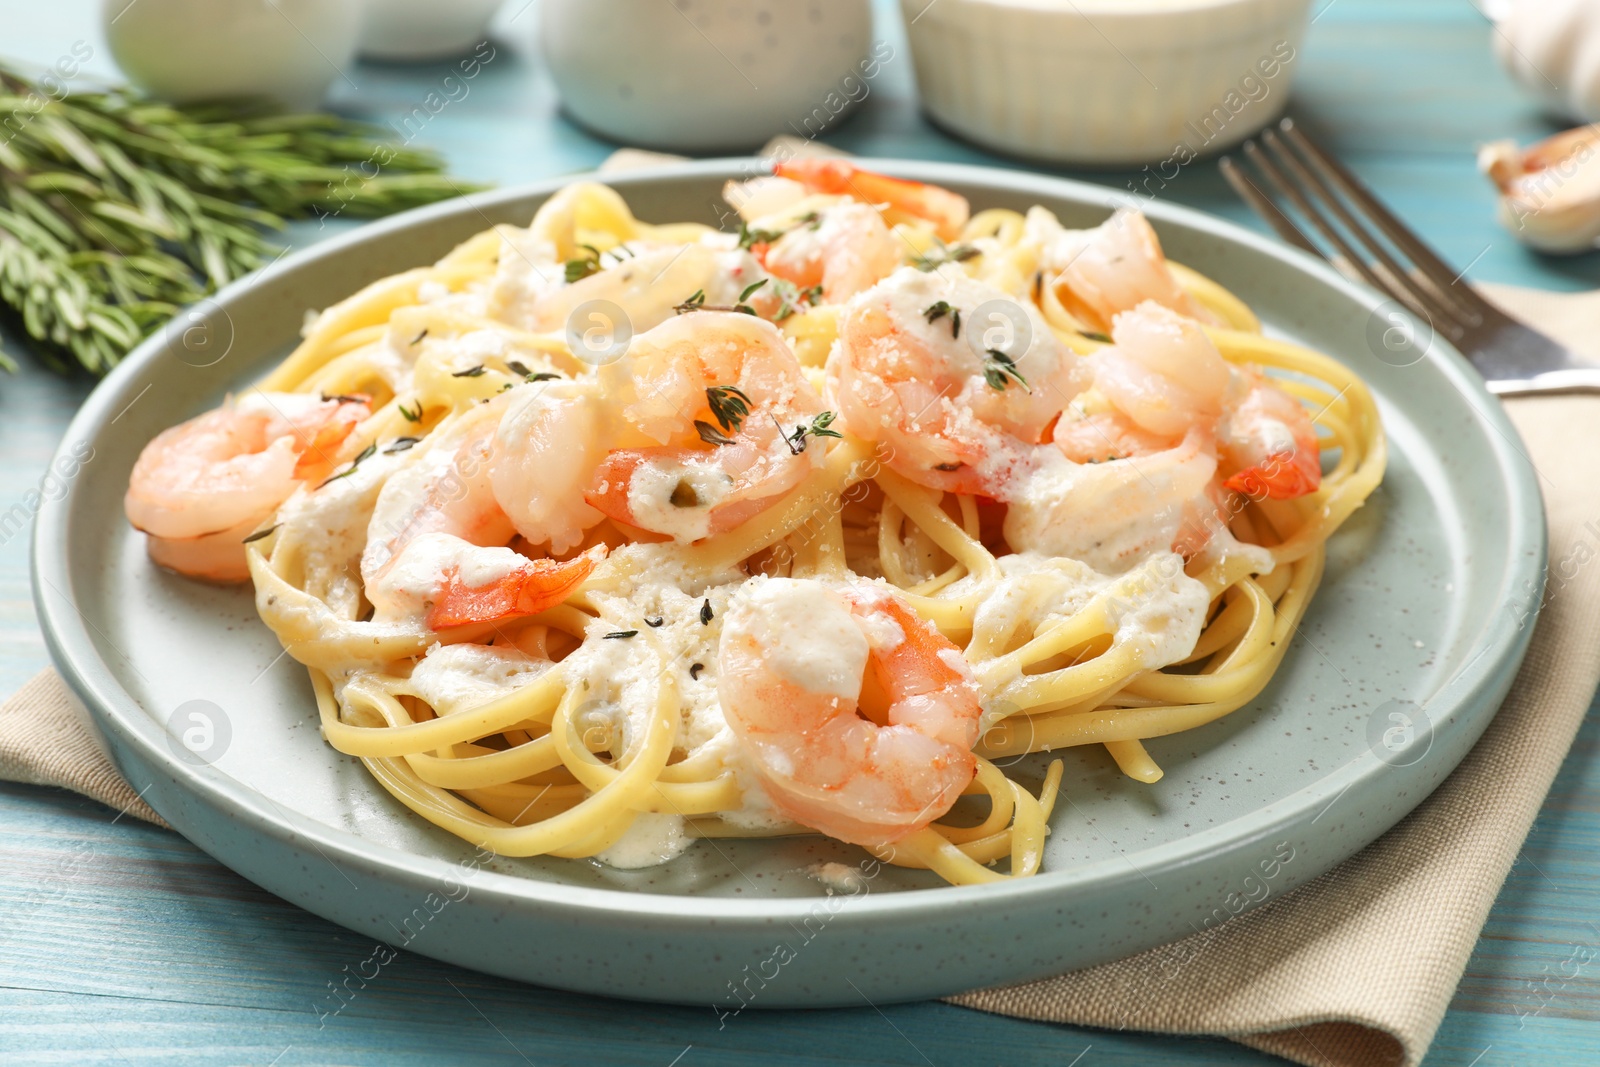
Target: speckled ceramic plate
<point>1423,615</point>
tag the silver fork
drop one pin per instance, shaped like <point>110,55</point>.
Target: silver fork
<point>1514,359</point>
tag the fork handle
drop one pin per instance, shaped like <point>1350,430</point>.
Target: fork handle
<point>1550,383</point>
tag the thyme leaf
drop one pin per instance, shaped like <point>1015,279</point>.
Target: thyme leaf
<point>817,427</point>
<point>710,434</point>
<point>941,254</point>
<point>729,405</point>
<point>365,454</point>
<point>999,369</point>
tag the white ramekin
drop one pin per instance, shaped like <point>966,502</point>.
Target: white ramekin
<point>1105,81</point>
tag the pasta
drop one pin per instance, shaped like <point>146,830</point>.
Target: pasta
<point>1074,545</point>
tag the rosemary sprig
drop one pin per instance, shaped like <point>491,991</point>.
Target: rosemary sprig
<point>115,211</point>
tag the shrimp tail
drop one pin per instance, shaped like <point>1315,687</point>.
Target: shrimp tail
<point>1281,476</point>
<point>321,448</point>
<point>539,585</point>
<point>837,177</point>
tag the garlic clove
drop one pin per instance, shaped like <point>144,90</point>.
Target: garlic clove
<point>1549,191</point>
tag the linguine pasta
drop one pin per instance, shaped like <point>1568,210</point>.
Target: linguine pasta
<point>593,726</point>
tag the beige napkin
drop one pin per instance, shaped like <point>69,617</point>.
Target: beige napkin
<point>1355,968</point>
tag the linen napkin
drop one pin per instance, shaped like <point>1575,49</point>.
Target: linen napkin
<point>1354,969</point>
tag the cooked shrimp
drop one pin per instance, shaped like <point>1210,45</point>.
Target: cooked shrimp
<point>846,249</point>
<point>1110,269</point>
<point>1165,378</point>
<point>1163,371</point>
<point>910,372</point>
<point>703,411</point>
<point>902,199</point>
<point>1269,443</point>
<point>1172,406</point>
<point>436,544</point>
<point>546,449</point>
<point>201,487</point>
<point>1111,515</point>
<point>792,661</point>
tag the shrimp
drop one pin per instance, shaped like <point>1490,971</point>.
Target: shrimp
<point>1270,443</point>
<point>1164,377</point>
<point>1163,372</point>
<point>704,411</point>
<point>903,199</point>
<point>792,660</point>
<point>914,371</point>
<point>436,543</point>
<point>1110,269</point>
<point>1172,407</point>
<point>201,487</point>
<point>846,250</point>
<point>1111,515</point>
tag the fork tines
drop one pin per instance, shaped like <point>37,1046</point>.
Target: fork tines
<point>1322,192</point>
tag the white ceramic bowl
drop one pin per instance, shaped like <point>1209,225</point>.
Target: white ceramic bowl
<point>413,30</point>
<point>186,50</point>
<point>709,75</point>
<point>1105,81</point>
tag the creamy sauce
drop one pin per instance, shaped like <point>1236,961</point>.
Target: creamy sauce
<point>412,582</point>
<point>807,634</point>
<point>455,678</point>
<point>652,840</point>
<point>1109,515</point>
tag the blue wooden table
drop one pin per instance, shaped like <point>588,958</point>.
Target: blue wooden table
<point>122,943</point>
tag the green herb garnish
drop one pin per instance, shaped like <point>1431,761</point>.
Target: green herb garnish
<point>617,635</point>
<point>999,367</point>
<point>940,308</point>
<point>470,372</point>
<point>938,256</point>
<point>259,534</point>
<point>817,427</point>
<point>710,434</point>
<point>749,237</point>
<point>408,414</point>
<point>366,453</point>
<point>580,268</point>
<point>729,405</point>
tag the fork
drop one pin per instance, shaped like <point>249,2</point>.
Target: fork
<point>1514,359</point>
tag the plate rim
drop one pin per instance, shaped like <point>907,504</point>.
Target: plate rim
<point>115,710</point>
